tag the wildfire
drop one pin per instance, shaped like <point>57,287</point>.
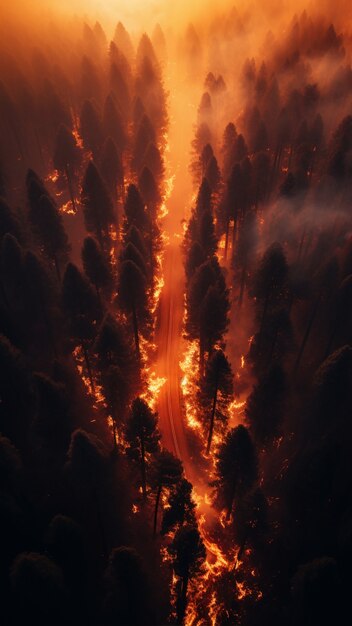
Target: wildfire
<point>53,177</point>
<point>154,385</point>
<point>68,208</point>
<point>94,390</point>
<point>158,282</point>
<point>188,366</point>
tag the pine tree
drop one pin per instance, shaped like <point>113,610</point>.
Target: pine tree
<point>188,557</point>
<point>166,471</point>
<point>91,128</point>
<point>236,467</point>
<point>216,393</point>
<point>47,223</point>
<point>67,158</point>
<point>133,298</point>
<point>181,509</point>
<point>97,205</point>
<point>96,266</point>
<point>142,436</point>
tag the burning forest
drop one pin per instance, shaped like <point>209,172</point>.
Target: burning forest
<point>176,313</point>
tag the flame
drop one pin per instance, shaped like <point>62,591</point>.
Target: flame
<point>189,367</point>
<point>53,177</point>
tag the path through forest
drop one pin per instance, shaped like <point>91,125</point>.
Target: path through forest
<point>171,305</point>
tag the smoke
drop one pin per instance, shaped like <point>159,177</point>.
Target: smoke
<point>138,15</point>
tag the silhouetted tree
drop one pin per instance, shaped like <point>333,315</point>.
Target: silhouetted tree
<point>324,285</point>
<point>270,284</point>
<point>332,386</point>
<point>181,508</point>
<point>91,128</point>
<point>216,391</point>
<point>111,168</point>
<point>142,436</point>
<point>131,253</point>
<point>189,554</point>
<point>40,301</point>
<point>149,191</point>
<point>265,405</point>
<point>228,144</point>
<point>17,402</point>
<point>236,467</point>
<point>246,249</point>
<point>52,419</point>
<point>86,463</point>
<point>9,222</point>
<point>47,223</point>
<point>251,521</point>
<point>97,205</point>
<point>212,175</point>
<point>12,274</point>
<point>95,265</point>
<point>206,234</point>
<point>116,370</point>
<point>315,591</point>
<point>195,258</point>
<point>135,213</point>
<point>38,589</point>
<point>166,472</point>
<point>133,298</point>
<point>113,124</point>
<point>204,310</point>
<point>214,319</point>
<point>67,158</point>
<point>126,581</point>
<point>81,306</point>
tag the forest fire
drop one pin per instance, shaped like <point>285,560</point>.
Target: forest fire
<point>175,307</point>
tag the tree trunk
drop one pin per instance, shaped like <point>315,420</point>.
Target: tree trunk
<point>135,331</point>
<point>143,472</point>
<point>301,245</point>
<point>212,418</point>
<point>182,600</point>
<point>114,429</point>
<point>156,509</point>
<point>70,187</point>
<point>307,333</point>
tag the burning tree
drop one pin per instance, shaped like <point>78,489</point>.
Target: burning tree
<point>188,553</point>
<point>142,436</point>
<point>216,391</point>
<point>167,471</point>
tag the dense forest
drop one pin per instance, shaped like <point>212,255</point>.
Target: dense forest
<point>176,321</point>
